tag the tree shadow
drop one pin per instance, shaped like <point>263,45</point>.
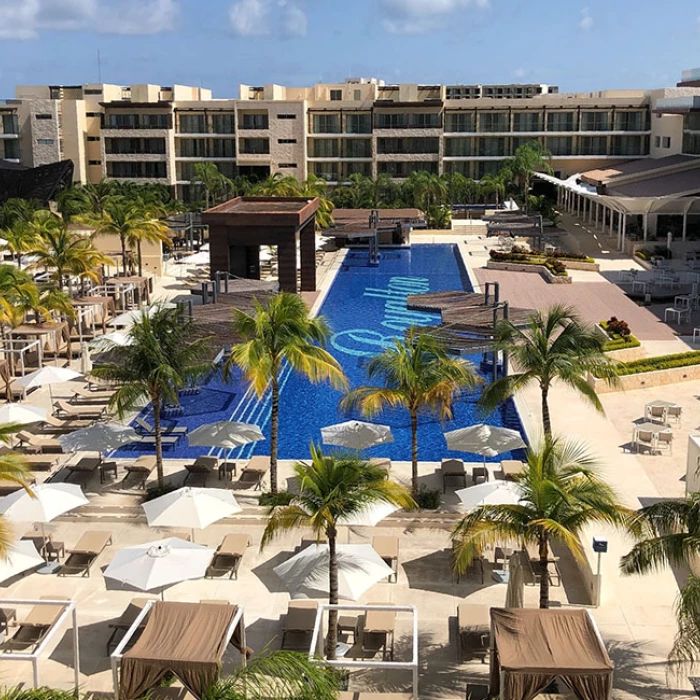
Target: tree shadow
<point>433,572</point>
<point>265,572</point>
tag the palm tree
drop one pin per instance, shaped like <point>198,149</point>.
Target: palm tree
<point>277,185</point>
<point>20,236</point>
<point>145,227</point>
<point>214,183</point>
<point>100,194</point>
<point>276,674</point>
<point>561,495</point>
<point>331,489</point>
<point>15,469</point>
<point>73,202</point>
<point>416,374</point>
<point>669,536</point>
<point>315,186</point>
<point>554,346</point>
<point>494,184</point>
<point>164,357</point>
<point>529,158</point>
<point>277,332</point>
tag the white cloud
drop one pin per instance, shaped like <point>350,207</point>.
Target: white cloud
<point>586,22</point>
<point>520,72</point>
<point>66,14</point>
<point>267,17</point>
<point>421,16</point>
<point>18,19</point>
<point>139,17</point>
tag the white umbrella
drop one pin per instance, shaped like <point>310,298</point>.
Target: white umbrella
<point>490,493</point>
<point>359,568</point>
<point>161,563</point>
<point>128,318</point>
<point>98,437</point>
<point>370,516</point>
<point>201,258</point>
<point>106,341</point>
<point>195,508</point>
<point>356,434</point>
<point>224,433</point>
<point>486,440</point>
<point>21,557</point>
<point>20,414</point>
<point>47,376</point>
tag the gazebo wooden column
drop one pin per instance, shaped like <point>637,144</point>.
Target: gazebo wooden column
<point>307,244</point>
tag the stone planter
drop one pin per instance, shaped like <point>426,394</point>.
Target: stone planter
<point>646,380</point>
<point>536,269</point>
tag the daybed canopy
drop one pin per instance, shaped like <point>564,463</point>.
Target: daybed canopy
<point>533,647</point>
<point>188,639</point>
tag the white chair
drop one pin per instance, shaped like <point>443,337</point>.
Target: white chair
<point>674,413</point>
<point>645,438</point>
<point>656,413</point>
<point>664,441</point>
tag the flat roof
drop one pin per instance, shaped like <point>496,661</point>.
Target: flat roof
<point>262,211</point>
<point>679,183</point>
<point>601,176</point>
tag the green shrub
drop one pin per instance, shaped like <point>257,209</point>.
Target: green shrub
<point>652,364</point>
<point>621,344</point>
<point>556,267</point>
<point>619,334</point>
<point>281,498</point>
<point>427,499</point>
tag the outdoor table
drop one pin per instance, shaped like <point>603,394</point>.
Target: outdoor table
<point>654,428</point>
<point>347,624</point>
<point>227,470</point>
<point>108,467</point>
<point>55,548</point>
<point>380,624</point>
<point>640,286</point>
<point>511,468</point>
<point>8,616</point>
<point>678,313</point>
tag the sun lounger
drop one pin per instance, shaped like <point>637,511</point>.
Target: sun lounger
<point>533,562</point>
<point>125,620</point>
<point>86,467</point>
<point>41,463</point>
<point>53,425</point>
<point>141,469</point>
<point>148,428</point>
<point>63,408</point>
<point>511,469</point>
<point>299,624</point>
<point>84,395</point>
<point>38,443</point>
<point>228,556</point>
<point>378,631</point>
<point>81,557</point>
<point>381,462</point>
<point>165,440</point>
<point>474,625</point>
<point>255,471</point>
<point>32,630</point>
<point>387,547</point>
<point>201,468</point>
<point>453,474</point>
<point>7,487</point>
<point>180,534</point>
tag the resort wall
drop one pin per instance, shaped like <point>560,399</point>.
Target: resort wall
<point>537,269</point>
<point>646,380</point>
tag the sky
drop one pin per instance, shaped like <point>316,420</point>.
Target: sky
<point>219,44</point>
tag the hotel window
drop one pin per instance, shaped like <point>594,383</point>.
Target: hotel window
<point>140,169</point>
<point>488,167</point>
<point>325,148</point>
<point>490,122</point>
<point>255,146</point>
<point>93,114</point>
<point>561,121</point>
<point>391,121</point>
<point>593,146</point>
<point>12,149</point>
<point>92,139</point>
<point>92,91</point>
<point>518,141</point>
<point>425,121</point>
<point>692,122</point>
<point>356,168</point>
<point>358,124</point>
<point>666,142</point>
<point>336,95</point>
<point>357,148</point>
<point>357,95</point>
<point>327,171</point>
<point>628,146</point>
<point>459,147</point>
<point>10,124</point>
<point>326,123</point>
<point>255,121</point>
<point>222,123</point>
<point>527,121</point>
<point>192,124</point>
<point>94,162</point>
<point>494,146</point>
<point>691,144</point>
<point>630,121</point>
<point>226,168</point>
<point>560,145</point>
<point>595,121</point>
<point>286,140</point>
<point>43,116</point>
<point>287,165</point>
<point>286,116</point>
<point>154,121</point>
<point>463,167</point>
<point>657,141</point>
<point>45,142</point>
<point>222,148</point>
<point>459,121</point>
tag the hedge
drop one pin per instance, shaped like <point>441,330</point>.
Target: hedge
<point>621,344</point>
<point>556,267</point>
<point>652,364</point>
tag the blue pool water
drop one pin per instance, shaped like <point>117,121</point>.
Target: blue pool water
<point>366,309</point>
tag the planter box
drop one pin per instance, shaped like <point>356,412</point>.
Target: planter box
<point>647,380</point>
<point>627,354</point>
<point>580,265</point>
<point>540,270</point>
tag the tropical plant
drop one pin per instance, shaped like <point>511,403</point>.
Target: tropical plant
<point>561,494</point>
<point>15,217</point>
<point>554,345</point>
<point>416,374</point>
<point>426,190</point>
<point>669,536</point>
<point>276,675</point>
<point>332,489</point>
<point>439,216</point>
<point>315,186</point>
<point>281,331</point>
<point>529,158</point>
<point>164,356</point>
<point>74,202</point>
<point>213,182</point>
<point>277,185</point>
<point>13,468</point>
<point>146,227</point>
<point>494,184</point>
<point>101,193</point>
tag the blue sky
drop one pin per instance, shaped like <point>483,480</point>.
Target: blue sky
<point>580,46</point>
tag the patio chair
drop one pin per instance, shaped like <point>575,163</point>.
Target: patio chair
<point>228,556</point>
<point>378,628</point>
<point>166,430</point>
<point>38,443</point>
<point>7,487</point>
<point>387,547</point>
<point>63,408</point>
<point>84,395</point>
<point>81,557</point>
<point>511,469</point>
<point>141,470</point>
<point>645,439</point>
<point>474,630</point>
<point>476,567</point>
<point>453,474</point>
<point>32,630</point>
<point>674,413</point>
<point>299,624</point>
<point>664,441</point>
<point>255,471</point>
<point>533,563</point>
<point>201,468</point>
<point>657,413</point>
<point>480,474</point>
<point>125,620</point>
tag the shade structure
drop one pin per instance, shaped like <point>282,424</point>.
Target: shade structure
<point>48,502</point>
<point>490,493</point>
<point>485,440</point>
<point>370,516</point>
<point>106,341</point>
<point>356,434</point>
<point>201,258</point>
<point>99,437</point>
<point>21,415</point>
<point>515,592</point>
<point>359,568</point>
<point>225,434</point>
<point>21,557</point>
<point>46,376</point>
<point>160,563</point>
<point>194,508</point>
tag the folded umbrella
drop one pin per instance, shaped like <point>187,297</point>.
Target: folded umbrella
<point>356,434</point>
<point>485,440</point>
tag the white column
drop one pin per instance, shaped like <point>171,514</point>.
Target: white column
<point>685,224</point>
<point>612,222</point>
<point>645,220</point>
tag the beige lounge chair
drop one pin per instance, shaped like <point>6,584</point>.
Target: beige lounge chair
<point>229,555</point>
<point>255,471</point>
<point>81,557</point>
<point>381,462</point>
<point>125,620</point>
<point>7,487</point>
<point>511,469</point>
<point>42,463</point>
<point>387,547</point>
<point>53,425</point>
<point>141,469</point>
<point>474,625</point>
<point>201,468</point>
<point>63,408</point>
<point>32,630</point>
<point>645,439</point>
<point>167,430</point>
<point>84,395</point>
<point>38,443</point>
<point>299,624</point>
<point>453,474</point>
<point>86,467</point>
<point>378,629</point>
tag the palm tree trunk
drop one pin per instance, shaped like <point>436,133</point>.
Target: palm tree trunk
<point>274,432</point>
<point>159,443</point>
<point>546,419</point>
<point>414,452</point>
<point>140,259</point>
<point>544,574</point>
<point>123,242</point>
<point>332,640</point>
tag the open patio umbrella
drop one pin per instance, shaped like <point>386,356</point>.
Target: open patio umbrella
<point>47,376</point>
<point>515,593</point>
<point>98,437</point>
<point>195,508</point>
<point>160,563</point>
<point>104,342</point>
<point>225,434</point>
<point>490,493</point>
<point>356,434</point>
<point>21,557</point>
<point>359,568</point>
<point>20,414</point>
<point>485,440</point>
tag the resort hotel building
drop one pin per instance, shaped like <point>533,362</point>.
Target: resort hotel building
<point>156,134</point>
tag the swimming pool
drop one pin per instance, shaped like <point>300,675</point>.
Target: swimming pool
<point>366,309</point>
